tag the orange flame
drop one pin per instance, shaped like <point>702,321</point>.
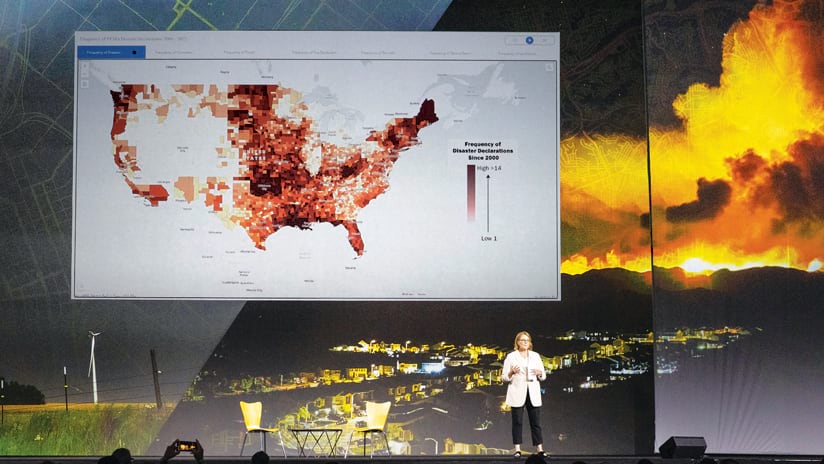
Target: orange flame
<point>765,106</point>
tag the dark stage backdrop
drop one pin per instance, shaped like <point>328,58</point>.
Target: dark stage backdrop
<point>706,163</point>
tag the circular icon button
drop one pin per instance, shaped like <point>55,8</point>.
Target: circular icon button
<point>529,40</point>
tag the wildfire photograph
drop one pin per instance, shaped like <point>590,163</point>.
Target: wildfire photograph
<point>735,168</point>
<point>737,209</point>
<point>739,183</point>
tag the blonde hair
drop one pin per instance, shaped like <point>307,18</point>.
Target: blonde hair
<point>523,332</point>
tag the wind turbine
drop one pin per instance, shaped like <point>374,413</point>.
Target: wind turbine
<point>92,368</point>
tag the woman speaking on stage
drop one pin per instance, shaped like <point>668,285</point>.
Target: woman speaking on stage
<point>523,370</point>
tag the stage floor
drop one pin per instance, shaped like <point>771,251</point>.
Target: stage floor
<point>440,459</point>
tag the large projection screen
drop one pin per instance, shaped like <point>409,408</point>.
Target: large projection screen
<point>316,165</point>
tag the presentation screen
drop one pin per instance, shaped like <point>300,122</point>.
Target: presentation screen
<point>316,165</point>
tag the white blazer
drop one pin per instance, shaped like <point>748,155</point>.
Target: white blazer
<point>518,383</point>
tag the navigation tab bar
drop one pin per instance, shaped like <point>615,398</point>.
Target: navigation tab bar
<point>320,45</point>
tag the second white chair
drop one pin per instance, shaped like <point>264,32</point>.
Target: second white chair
<point>376,415</point>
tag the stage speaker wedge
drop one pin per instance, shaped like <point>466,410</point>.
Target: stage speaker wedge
<point>683,447</point>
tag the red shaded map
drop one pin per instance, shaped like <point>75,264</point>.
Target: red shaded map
<point>280,180</point>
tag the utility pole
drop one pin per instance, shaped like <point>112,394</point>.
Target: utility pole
<point>156,378</point>
<point>66,388</point>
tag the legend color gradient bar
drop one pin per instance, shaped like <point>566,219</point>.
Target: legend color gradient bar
<point>470,192</point>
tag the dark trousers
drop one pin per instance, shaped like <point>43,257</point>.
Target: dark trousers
<point>534,414</point>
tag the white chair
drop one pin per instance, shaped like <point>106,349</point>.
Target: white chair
<point>376,415</point>
<point>252,413</point>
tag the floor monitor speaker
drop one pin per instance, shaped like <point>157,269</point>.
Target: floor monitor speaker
<point>683,447</point>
